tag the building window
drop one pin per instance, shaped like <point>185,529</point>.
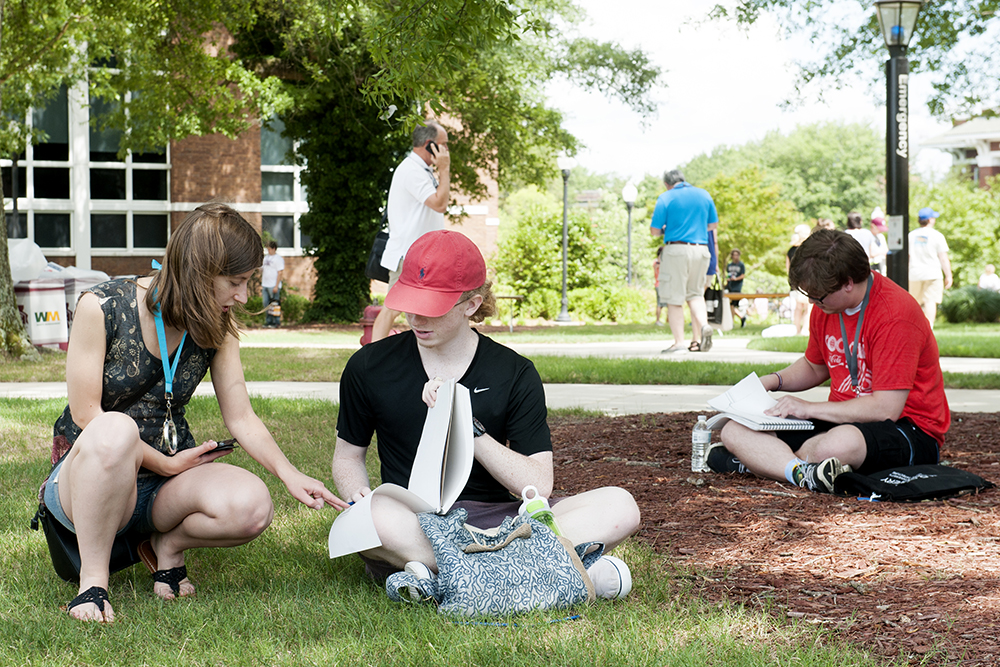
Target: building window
<point>283,198</point>
<point>126,201</point>
<point>44,200</point>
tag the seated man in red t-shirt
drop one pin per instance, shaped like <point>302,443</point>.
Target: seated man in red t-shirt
<point>887,405</point>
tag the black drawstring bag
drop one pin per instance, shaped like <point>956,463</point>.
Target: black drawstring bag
<point>65,551</point>
<point>910,484</point>
<point>713,301</point>
<point>374,269</point>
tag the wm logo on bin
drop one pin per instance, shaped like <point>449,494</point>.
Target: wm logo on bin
<point>46,316</point>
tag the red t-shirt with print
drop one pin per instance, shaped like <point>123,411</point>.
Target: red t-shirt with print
<point>897,350</point>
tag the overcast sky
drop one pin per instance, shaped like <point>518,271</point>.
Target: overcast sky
<point>723,86</point>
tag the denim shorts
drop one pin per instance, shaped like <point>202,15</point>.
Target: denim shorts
<point>889,444</point>
<point>147,487</point>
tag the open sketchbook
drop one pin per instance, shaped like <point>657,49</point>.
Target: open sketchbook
<point>440,470</point>
<point>745,403</point>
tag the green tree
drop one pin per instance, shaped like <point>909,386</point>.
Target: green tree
<point>529,254</point>
<point>164,76</point>
<point>970,221</point>
<point>754,218</point>
<point>955,42</point>
<point>481,67</point>
<point>826,169</point>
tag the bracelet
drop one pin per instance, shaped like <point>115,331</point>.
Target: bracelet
<point>780,383</point>
<point>477,428</point>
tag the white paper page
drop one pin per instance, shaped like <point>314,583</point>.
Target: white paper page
<point>428,464</point>
<point>354,530</point>
<point>461,449</point>
<point>747,397</point>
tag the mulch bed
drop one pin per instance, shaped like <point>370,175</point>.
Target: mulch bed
<point>917,580</point>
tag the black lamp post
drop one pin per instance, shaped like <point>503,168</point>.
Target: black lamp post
<point>629,193</point>
<point>897,19</point>
<point>565,164</point>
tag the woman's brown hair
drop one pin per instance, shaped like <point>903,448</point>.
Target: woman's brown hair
<point>213,240</point>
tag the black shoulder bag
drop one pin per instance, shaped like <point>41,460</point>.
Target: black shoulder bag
<point>374,269</point>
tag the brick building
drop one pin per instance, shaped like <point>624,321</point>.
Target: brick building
<point>974,145</point>
<point>85,207</point>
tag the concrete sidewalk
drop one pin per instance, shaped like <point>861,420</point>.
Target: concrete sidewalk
<point>611,399</point>
<point>607,398</point>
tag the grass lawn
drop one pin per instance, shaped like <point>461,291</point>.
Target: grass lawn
<point>325,365</point>
<point>280,601</point>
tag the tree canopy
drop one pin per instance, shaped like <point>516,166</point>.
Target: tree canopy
<point>826,169</point>
<point>161,69</point>
<point>480,68</point>
<point>954,42</point>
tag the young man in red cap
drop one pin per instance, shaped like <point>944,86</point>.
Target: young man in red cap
<point>386,389</point>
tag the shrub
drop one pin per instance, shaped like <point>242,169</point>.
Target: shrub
<point>611,304</point>
<point>971,304</point>
<point>293,306</point>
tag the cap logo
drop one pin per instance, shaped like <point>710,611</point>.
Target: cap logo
<point>422,273</point>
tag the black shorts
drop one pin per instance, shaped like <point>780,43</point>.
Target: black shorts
<point>890,444</point>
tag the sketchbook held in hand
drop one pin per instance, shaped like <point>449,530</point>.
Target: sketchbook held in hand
<point>440,470</point>
<point>745,403</point>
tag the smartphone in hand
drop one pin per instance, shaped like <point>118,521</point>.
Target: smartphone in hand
<point>223,445</point>
<point>432,148</point>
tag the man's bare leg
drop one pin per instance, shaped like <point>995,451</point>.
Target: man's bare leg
<point>383,323</point>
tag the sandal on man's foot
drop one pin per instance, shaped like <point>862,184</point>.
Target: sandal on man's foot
<point>172,577</point>
<point>93,595</point>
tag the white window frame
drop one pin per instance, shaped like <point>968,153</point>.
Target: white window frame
<point>294,208</point>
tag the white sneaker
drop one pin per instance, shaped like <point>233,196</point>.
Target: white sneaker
<point>612,578</point>
<point>420,571</point>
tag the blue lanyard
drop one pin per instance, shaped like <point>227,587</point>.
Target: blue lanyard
<point>851,355</point>
<point>169,437</point>
<point>168,369</point>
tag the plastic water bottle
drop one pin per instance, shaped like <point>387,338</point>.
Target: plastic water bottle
<point>537,507</point>
<point>701,438</point>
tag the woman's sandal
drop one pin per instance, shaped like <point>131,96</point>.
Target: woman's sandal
<point>172,577</point>
<point>94,594</point>
<point>695,346</point>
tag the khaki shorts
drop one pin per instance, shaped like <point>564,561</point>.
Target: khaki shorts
<point>682,273</point>
<point>394,274</point>
<point>927,291</point>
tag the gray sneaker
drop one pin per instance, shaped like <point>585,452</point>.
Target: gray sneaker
<point>706,338</point>
<point>820,476</point>
<point>719,459</point>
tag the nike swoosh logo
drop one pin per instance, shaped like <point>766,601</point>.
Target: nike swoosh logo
<point>477,390</point>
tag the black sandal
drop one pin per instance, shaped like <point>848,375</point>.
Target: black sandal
<point>172,577</point>
<point>695,346</point>
<point>94,594</point>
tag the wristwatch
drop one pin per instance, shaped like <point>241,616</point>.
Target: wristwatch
<point>477,428</point>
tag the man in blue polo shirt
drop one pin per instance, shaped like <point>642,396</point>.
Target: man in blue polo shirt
<point>686,218</point>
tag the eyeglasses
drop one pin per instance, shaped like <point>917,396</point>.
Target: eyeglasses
<point>811,297</point>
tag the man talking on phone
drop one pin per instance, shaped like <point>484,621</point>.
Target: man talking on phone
<point>417,202</point>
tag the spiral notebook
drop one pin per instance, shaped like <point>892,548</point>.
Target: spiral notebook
<point>745,403</point>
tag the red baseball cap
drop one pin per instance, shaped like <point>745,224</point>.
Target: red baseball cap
<point>439,267</point>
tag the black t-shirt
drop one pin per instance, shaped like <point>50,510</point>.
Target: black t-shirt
<point>380,392</point>
<point>734,269</point>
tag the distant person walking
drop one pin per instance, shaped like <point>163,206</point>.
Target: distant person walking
<point>990,280</point>
<point>880,250</point>
<point>930,268</point>
<point>800,302</point>
<point>860,234</point>
<point>736,271</point>
<point>271,274</point>
<point>417,202</point>
<point>686,219</point>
